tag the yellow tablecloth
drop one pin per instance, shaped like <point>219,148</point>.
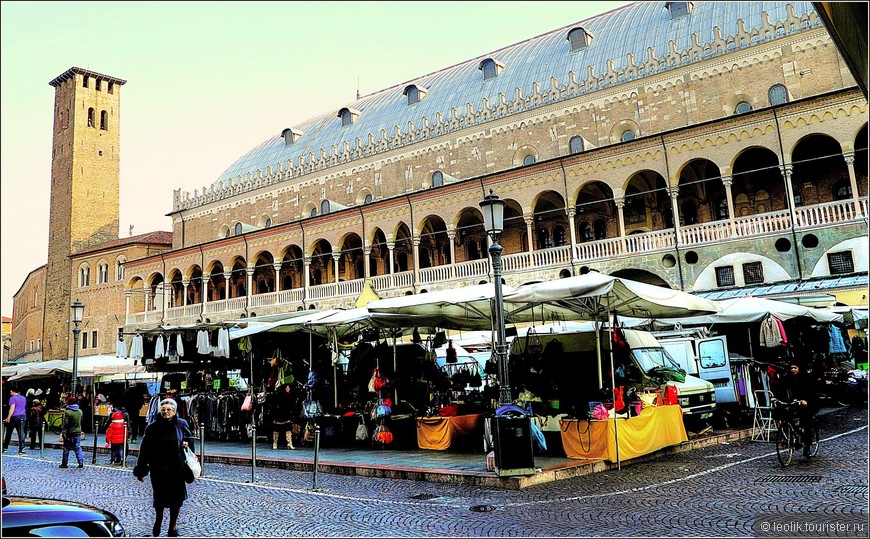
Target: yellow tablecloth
<point>444,432</point>
<point>655,428</point>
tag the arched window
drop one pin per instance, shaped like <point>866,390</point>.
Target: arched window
<point>559,235</point>
<point>529,160</point>
<point>742,108</point>
<point>238,229</point>
<point>437,179</point>
<point>268,223</point>
<point>585,232</point>
<point>544,240</point>
<point>413,95</point>
<point>575,145</point>
<point>489,68</point>
<point>119,268</point>
<point>324,207</point>
<point>368,199</point>
<point>627,135</point>
<point>777,94</point>
<point>722,209</point>
<point>102,273</point>
<point>92,117</point>
<point>313,212</point>
<point>599,229</point>
<point>84,276</point>
<point>842,190</point>
<point>104,120</point>
<point>579,39</point>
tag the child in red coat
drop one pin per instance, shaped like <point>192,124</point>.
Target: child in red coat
<point>115,435</point>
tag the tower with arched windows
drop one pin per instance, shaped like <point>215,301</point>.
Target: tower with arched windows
<point>85,179</point>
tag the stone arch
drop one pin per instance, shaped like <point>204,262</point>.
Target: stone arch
<point>641,275</point>
<point>595,216</point>
<point>321,270</point>
<point>379,256</point>
<point>773,271</point>
<point>434,249</point>
<point>470,235</point>
<point>699,182</point>
<point>646,202</point>
<point>817,165</point>
<point>292,267</point>
<point>756,170</point>
<point>403,249</point>
<point>350,263</point>
<point>550,220</point>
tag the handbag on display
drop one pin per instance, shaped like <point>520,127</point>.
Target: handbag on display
<point>248,403</point>
<point>311,409</point>
<point>362,432</point>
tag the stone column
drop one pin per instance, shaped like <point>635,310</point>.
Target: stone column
<point>391,245</point>
<point>727,181</point>
<point>205,279</point>
<point>148,300</point>
<point>572,212</point>
<point>306,269</point>
<point>853,181</point>
<point>184,283</point>
<point>277,266</point>
<point>415,241</point>
<point>367,255</point>
<point>529,219</point>
<point>786,171</point>
<point>451,239</point>
<point>227,276</point>
<point>675,210</point>
<point>249,272</point>
<point>620,205</point>
<point>335,259</point>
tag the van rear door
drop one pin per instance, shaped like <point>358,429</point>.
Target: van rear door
<point>714,366</point>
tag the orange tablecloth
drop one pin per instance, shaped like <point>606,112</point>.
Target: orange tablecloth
<point>655,428</point>
<point>444,432</point>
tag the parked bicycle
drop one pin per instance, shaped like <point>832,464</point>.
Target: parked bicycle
<point>789,431</point>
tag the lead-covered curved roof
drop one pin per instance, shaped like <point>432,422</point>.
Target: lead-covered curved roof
<point>631,29</point>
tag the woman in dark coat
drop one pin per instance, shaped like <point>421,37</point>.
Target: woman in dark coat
<point>160,453</point>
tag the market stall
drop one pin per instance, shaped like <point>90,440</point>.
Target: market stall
<point>460,432</point>
<point>655,428</point>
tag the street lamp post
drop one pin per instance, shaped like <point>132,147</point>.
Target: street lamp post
<point>78,310</point>
<point>493,222</point>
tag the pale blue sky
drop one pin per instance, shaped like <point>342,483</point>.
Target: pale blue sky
<point>208,81</point>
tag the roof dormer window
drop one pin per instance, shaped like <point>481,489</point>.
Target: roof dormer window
<point>290,136</point>
<point>415,93</point>
<point>348,116</point>
<point>490,68</point>
<point>579,38</point>
<point>437,178</point>
<point>679,9</point>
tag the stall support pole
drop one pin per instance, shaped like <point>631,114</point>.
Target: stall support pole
<point>613,386</point>
<point>126,448</point>
<point>42,439</point>
<point>94,420</point>
<point>316,454</point>
<point>202,448</point>
<point>253,423</point>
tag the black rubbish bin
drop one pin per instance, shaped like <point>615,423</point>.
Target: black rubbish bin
<point>512,441</point>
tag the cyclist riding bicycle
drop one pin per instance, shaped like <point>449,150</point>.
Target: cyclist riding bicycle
<point>799,386</point>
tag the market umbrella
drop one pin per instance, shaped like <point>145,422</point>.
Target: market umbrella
<point>596,296</point>
<point>755,309</point>
<point>468,307</point>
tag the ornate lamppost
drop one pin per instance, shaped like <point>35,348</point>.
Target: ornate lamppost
<point>493,222</point>
<point>78,311</point>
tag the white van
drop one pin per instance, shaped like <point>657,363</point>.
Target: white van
<point>578,364</point>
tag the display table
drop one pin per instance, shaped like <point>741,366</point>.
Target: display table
<point>655,428</point>
<point>452,432</point>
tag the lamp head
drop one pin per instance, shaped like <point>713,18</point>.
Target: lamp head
<point>78,311</point>
<point>493,214</point>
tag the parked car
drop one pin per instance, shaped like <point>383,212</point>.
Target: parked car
<point>43,517</point>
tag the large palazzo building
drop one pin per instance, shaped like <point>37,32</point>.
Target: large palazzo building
<point>704,146</point>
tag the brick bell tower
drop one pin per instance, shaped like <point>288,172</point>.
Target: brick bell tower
<point>85,190</point>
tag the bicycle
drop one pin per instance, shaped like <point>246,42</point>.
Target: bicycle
<point>788,431</point>
<point>54,421</point>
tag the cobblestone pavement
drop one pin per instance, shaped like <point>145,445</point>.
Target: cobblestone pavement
<point>730,489</point>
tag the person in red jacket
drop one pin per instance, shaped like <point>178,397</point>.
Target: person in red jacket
<point>116,435</point>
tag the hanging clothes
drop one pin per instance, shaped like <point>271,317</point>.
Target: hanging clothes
<point>121,348</point>
<point>769,335</point>
<point>223,344</point>
<point>179,345</point>
<point>159,348</point>
<point>244,344</point>
<point>202,342</point>
<point>137,349</point>
<point>836,345</point>
<point>781,328</point>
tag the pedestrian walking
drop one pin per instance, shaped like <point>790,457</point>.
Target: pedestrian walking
<point>161,455</point>
<point>71,433</point>
<point>283,415</point>
<point>34,423</point>
<point>116,435</point>
<point>16,419</point>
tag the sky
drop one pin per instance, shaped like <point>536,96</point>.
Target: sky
<point>209,81</point>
